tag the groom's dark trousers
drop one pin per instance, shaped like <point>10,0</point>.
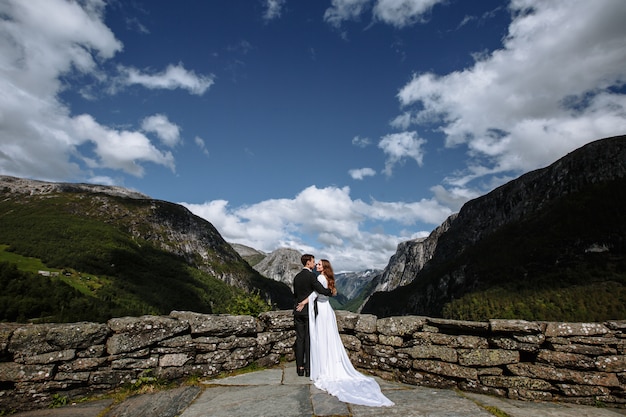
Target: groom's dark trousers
<point>304,283</point>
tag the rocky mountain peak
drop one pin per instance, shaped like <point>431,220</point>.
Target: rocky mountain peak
<point>35,187</point>
<point>281,265</point>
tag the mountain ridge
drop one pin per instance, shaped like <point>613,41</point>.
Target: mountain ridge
<point>155,255</point>
<point>584,186</point>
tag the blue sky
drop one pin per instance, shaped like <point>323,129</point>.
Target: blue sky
<point>339,128</point>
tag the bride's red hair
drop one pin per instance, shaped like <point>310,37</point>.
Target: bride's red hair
<point>327,270</point>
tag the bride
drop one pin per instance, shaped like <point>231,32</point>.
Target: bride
<point>331,369</point>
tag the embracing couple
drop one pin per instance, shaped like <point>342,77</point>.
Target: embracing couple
<point>319,351</point>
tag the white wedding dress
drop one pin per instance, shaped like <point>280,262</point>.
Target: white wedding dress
<point>331,369</point>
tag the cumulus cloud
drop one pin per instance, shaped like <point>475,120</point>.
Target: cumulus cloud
<point>399,146</point>
<point>402,13</point>
<point>200,142</point>
<point>168,132</point>
<point>334,224</point>
<point>341,10</point>
<point>43,41</point>
<point>361,142</point>
<point>122,150</point>
<point>551,88</point>
<point>173,77</point>
<point>398,13</point>
<point>359,174</point>
<point>273,9</point>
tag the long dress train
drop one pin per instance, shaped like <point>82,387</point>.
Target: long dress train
<point>331,369</point>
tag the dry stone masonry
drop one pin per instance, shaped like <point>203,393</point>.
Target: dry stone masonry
<point>575,362</point>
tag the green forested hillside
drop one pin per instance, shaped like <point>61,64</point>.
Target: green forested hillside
<point>111,262</point>
<point>565,262</point>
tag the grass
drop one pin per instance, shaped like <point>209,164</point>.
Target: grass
<point>492,409</point>
<point>24,263</point>
<point>87,284</point>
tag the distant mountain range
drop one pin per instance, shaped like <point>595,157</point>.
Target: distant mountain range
<point>550,245</point>
<point>283,264</point>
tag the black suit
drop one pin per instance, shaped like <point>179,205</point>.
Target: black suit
<point>304,283</point>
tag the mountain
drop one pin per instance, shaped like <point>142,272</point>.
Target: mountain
<point>251,255</point>
<point>115,252</point>
<point>281,265</point>
<point>284,263</point>
<point>353,288</point>
<point>549,245</point>
<point>409,259</point>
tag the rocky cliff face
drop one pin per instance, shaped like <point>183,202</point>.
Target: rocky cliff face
<point>281,265</point>
<point>443,258</point>
<point>350,284</point>
<point>410,258</point>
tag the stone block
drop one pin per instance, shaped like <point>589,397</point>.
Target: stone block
<point>134,333</point>
<point>133,363</point>
<point>453,341</point>
<point>515,382</point>
<point>513,326</point>
<point>459,326</point>
<point>400,326</point>
<point>582,390</point>
<point>82,364</point>
<point>565,360</point>
<point>50,357</point>
<point>508,343</point>
<point>396,341</point>
<point>442,353</point>
<point>350,342</point>
<point>276,320</point>
<point>550,373</point>
<point>217,324</point>
<point>174,359</point>
<point>615,363</point>
<point>488,357</point>
<point>554,329</point>
<point>445,369</point>
<point>15,372</point>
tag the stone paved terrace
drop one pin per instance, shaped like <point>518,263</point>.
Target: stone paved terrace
<point>279,392</point>
<point>554,362</point>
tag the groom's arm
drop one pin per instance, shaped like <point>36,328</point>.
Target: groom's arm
<point>319,288</point>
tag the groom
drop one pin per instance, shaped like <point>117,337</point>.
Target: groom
<point>304,283</point>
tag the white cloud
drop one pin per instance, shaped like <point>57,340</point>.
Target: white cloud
<point>273,9</point>
<point>174,76</point>
<point>345,10</point>
<point>118,149</point>
<point>454,197</point>
<point>551,88</point>
<point>323,221</point>
<point>168,132</point>
<point>200,142</point>
<point>402,13</point>
<point>399,146</point>
<point>359,174</point>
<point>398,13</point>
<point>361,142</point>
<point>43,41</point>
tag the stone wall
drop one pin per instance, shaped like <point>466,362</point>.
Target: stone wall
<point>577,362</point>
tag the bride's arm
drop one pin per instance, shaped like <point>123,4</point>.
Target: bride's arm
<point>301,304</point>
